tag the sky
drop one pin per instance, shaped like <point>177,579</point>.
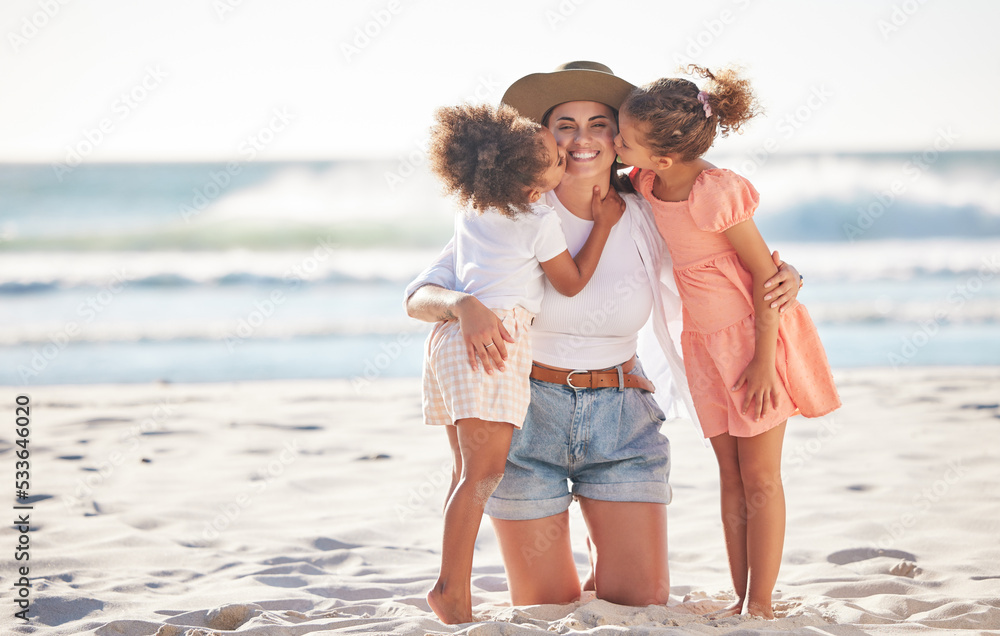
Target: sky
<point>236,80</point>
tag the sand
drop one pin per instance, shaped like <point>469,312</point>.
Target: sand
<point>312,507</point>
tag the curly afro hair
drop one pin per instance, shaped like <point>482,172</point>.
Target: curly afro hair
<point>488,157</point>
<point>674,119</point>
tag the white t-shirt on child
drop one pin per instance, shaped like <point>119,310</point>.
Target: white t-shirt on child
<point>497,258</point>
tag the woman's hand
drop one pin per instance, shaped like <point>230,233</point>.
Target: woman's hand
<point>785,284</point>
<point>483,332</point>
<point>606,211</point>
<point>762,383</point>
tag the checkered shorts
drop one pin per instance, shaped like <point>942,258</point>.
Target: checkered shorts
<point>454,391</point>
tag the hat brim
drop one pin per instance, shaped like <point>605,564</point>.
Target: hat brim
<point>534,95</point>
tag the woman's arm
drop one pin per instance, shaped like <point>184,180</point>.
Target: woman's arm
<point>783,287</point>
<point>760,376</point>
<point>570,275</point>
<point>431,298</point>
<point>480,326</point>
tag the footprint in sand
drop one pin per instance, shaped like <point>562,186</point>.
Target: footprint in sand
<point>106,420</point>
<point>284,427</point>
<point>325,543</point>
<point>905,568</point>
<point>783,608</point>
<point>230,617</point>
<point>853,555</point>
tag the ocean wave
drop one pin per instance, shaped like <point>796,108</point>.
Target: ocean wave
<point>893,260</point>
<point>957,311</point>
<point>255,234</point>
<point>207,331</point>
<point>945,181</point>
<point>34,272</point>
<point>976,311</point>
<point>816,197</point>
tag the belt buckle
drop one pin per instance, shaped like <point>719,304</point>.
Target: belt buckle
<point>569,378</point>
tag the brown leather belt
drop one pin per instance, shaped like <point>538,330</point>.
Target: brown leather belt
<point>605,378</point>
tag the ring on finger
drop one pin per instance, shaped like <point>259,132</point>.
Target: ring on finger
<point>490,345</point>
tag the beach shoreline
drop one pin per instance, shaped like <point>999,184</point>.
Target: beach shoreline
<point>313,506</point>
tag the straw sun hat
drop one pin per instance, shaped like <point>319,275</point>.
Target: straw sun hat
<point>535,95</point>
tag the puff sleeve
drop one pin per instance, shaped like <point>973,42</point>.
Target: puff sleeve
<point>721,199</point>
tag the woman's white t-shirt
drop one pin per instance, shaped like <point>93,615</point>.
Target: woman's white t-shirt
<point>599,327</point>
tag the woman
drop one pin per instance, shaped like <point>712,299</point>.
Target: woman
<point>597,428</point>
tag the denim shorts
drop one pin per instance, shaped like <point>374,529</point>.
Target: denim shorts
<point>606,441</point>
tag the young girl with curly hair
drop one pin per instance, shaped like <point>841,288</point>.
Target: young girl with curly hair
<point>749,366</point>
<point>498,164</point>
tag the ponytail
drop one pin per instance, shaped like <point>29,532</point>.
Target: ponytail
<point>678,118</point>
<point>730,97</point>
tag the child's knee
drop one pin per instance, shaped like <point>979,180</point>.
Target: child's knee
<point>485,478</point>
<point>483,485</point>
<point>764,482</point>
<point>730,476</point>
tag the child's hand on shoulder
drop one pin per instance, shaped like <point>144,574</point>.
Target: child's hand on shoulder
<point>606,211</point>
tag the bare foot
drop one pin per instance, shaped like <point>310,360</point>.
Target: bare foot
<point>590,585</point>
<point>760,610</point>
<point>451,611</point>
<point>733,610</point>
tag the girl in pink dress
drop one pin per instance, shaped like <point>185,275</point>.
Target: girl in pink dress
<point>749,367</point>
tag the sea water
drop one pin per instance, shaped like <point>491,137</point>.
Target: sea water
<point>172,272</point>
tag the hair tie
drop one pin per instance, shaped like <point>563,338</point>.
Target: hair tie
<point>703,98</point>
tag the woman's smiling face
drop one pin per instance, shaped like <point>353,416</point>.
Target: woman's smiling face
<point>586,131</point>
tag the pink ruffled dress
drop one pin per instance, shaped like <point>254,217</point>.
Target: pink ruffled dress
<point>716,290</point>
